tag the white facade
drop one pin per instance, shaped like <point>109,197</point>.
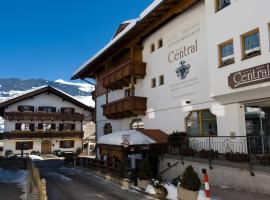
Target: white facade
<point>200,29</point>
<point>46,99</point>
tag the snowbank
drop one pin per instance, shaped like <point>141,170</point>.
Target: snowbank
<point>150,189</point>
<point>35,157</point>
<point>172,191</point>
<point>13,176</point>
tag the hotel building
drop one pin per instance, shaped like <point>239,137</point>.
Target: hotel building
<point>44,120</point>
<point>196,66</point>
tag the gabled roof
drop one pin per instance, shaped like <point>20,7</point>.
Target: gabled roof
<point>40,90</point>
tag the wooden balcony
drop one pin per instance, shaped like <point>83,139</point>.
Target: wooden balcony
<point>121,76</point>
<point>43,116</point>
<point>42,134</point>
<point>127,107</point>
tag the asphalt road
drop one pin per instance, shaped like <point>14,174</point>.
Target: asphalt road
<point>77,184</point>
<point>10,191</point>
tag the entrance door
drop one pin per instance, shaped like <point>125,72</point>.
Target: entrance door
<point>258,127</point>
<point>46,147</point>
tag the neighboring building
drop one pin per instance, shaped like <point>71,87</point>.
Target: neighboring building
<point>202,67</point>
<point>44,120</point>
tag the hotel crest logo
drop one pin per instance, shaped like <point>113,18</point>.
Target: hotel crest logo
<point>183,70</point>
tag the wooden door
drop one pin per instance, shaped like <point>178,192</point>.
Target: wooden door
<point>46,147</point>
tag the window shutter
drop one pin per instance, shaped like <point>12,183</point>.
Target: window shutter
<point>32,108</point>
<point>18,126</point>
<point>71,143</point>
<point>73,127</point>
<point>61,144</point>
<point>20,108</point>
<point>53,109</point>
<point>40,126</point>
<point>32,127</point>
<point>53,126</point>
<point>18,145</point>
<point>30,145</point>
<point>60,127</point>
<point>72,110</point>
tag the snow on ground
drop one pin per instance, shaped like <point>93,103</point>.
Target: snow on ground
<point>85,87</point>
<point>172,191</point>
<point>35,157</point>
<point>150,189</point>
<point>12,176</point>
<point>18,177</point>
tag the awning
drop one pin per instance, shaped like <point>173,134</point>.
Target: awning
<point>134,137</point>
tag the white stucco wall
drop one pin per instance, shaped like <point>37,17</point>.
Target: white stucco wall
<point>206,85</point>
<point>11,145</point>
<point>230,23</point>
<point>45,100</point>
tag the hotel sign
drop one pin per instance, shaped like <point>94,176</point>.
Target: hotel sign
<point>251,76</point>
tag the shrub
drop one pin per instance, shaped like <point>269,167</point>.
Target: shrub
<point>145,172</point>
<point>237,157</point>
<point>190,179</point>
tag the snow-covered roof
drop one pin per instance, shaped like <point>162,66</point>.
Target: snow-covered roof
<point>42,89</point>
<point>134,138</point>
<point>131,25</point>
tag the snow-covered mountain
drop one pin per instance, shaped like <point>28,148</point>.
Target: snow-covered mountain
<point>12,87</point>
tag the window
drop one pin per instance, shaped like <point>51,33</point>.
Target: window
<point>107,128</point>
<point>161,80</point>
<point>127,93</point>
<point>24,126</point>
<point>24,145</point>
<point>152,48</point>
<point>226,53</point>
<point>220,4</point>
<point>201,122</point>
<point>153,82</point>
<point>67,110</point>
<point>136,124</point>
<point>46,127</point>
<point>26,108</point>
<point>67,144</point>
<point>47,109</point>
<point>251,44</point>
<point>66,127</point>
<point>160,43</point>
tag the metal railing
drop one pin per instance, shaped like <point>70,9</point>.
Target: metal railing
<point>241,149</point>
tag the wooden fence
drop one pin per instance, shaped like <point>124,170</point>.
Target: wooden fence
<point>37,185</point>
<point>110,167</point>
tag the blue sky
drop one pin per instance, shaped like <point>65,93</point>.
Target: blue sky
<point>51,39</point>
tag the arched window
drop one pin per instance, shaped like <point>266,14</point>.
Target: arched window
<point>201,123</point>
<point>107,128</point>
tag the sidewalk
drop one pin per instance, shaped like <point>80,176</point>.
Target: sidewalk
<point>231,194</point>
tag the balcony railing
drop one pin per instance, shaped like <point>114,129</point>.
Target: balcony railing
<point>127,107</point>
<point>42,134</point>
<point>43,116</point>
<point>120,77</point>
<point>239,149</point>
